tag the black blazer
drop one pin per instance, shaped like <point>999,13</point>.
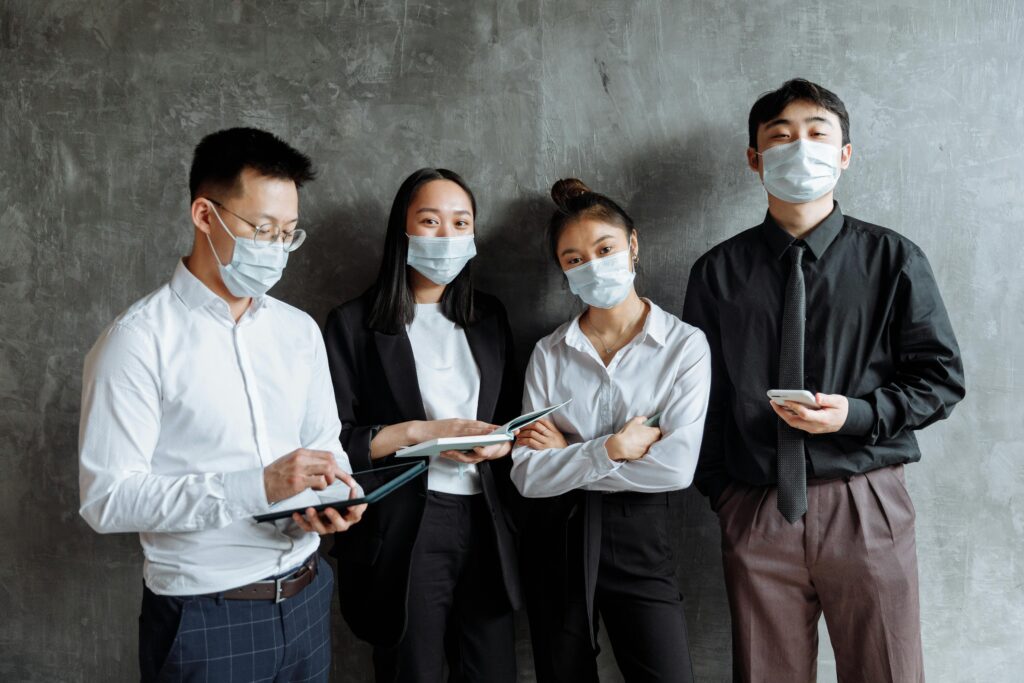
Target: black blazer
<point>375,383</point>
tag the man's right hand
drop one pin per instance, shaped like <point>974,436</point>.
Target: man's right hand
<point>299,470</point>
<point>632,441</point>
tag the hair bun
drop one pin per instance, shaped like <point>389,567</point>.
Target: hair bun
<point>567,189</point>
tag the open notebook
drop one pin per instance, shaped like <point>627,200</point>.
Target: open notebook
<point>505,432</point>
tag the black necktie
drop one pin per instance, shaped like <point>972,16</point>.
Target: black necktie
<point>792,470</point>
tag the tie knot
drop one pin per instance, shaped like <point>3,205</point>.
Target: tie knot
<point>796,251</point>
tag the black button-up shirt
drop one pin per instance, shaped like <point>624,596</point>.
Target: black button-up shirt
<point>876,332</point>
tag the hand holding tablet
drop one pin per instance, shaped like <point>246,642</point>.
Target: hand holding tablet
<point>375,483</point>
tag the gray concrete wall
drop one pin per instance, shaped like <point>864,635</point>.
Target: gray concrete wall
<point>101,103</point>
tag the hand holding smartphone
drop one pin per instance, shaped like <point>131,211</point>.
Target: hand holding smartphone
<point>801,396</point>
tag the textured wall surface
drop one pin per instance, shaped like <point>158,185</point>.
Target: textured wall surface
<point>101,103</point>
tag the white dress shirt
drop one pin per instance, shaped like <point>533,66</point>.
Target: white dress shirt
<point>666,367</point>
<point>182,409</point>
<point>449,381</point>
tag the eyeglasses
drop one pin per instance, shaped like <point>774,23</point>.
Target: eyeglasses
<point>267,233</point>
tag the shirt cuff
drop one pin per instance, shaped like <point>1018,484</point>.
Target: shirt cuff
<point>245,491</point>
<point>603,465</point>
<point>859,418</point>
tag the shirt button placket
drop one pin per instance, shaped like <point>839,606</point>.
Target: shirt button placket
<point>244,368</point>
<point>606,407</point>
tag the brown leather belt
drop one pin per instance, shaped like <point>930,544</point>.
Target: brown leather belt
<point>279,589</point>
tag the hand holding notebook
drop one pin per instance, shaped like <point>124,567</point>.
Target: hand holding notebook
<point>505,432</point>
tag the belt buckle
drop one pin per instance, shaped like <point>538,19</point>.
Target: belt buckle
<point>278,590</point>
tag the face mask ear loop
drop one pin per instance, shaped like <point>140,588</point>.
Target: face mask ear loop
<point>216,256</point>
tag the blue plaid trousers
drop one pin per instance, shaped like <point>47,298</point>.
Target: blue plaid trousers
<point>201,639</point>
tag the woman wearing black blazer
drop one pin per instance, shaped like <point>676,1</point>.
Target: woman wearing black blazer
<point>431,573</point>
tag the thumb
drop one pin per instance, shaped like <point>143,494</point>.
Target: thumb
<point>825,400</point>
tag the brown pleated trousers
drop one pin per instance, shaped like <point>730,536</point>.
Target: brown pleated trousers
<point>852,557</point>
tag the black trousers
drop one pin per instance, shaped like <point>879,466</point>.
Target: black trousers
<point>457,610</point>
<point>619,544</point>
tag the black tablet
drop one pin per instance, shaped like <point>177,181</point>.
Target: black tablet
<point>376,484</point>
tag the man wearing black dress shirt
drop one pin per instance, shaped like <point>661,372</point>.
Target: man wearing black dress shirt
<point>812,501</point>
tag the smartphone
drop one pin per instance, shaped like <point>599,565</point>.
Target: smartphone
<point>801,396</point>
<point>653,420</point>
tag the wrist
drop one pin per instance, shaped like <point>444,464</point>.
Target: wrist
<point>611,447</point>
<point>267,488</point>
<point>414,432</point>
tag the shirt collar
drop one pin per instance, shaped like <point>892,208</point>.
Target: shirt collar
<point>195,294</point>
<point>654,329</point>
<point>818,240</point>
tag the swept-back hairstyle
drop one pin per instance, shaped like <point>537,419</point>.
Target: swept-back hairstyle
<point>392,304</point>
<point>771,104</point>
<point>574,200</point>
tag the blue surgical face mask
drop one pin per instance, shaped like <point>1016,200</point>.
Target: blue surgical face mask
<point>800,171</point>
<point>440,259</point>
<point>602,282</point>
<point>253,270</point>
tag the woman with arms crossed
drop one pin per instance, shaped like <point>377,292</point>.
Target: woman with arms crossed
<point>599,543</point>
<point>422,355</point>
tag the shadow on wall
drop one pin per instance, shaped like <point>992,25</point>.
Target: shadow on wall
<point>674,181</point>
<point>513,263</point>
<point>331,275</point>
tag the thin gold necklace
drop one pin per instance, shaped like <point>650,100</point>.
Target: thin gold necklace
<point>614,344</point>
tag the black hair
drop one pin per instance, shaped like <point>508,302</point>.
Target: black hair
<point>393,305</point>
<point>220,158</point>
<point>771,104</point>
<point>574,200</point>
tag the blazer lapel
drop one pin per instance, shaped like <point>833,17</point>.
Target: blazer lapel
<point>485,346</point>
<point>400,369</point>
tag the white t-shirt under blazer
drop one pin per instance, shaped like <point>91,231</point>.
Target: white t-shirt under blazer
<point>449,381</point>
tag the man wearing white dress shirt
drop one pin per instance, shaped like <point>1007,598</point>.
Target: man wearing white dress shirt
<point>208,402</point>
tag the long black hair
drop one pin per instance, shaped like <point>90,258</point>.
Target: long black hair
<point>393,306</point>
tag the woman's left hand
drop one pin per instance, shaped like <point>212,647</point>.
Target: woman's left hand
<point>480,453</point>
